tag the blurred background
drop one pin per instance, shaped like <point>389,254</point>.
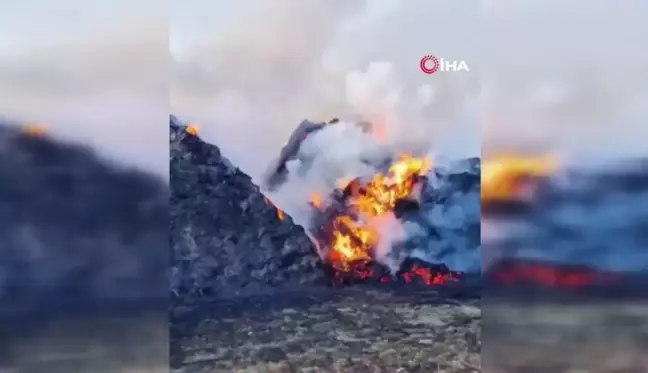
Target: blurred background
<point>83,195</point>
<point>564,186</point>
<point>62,64</point>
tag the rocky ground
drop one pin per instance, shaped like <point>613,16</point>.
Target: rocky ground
<point>566,337</point>
<point>351,330</point>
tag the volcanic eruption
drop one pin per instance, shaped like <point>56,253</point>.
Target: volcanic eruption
<point>385,216</point>
<point>358,227</point>
<point>349,228</point>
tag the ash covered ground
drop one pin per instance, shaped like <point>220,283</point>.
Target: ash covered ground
<point>251,293</point>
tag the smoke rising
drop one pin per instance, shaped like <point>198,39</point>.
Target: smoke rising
<point>248,75</point>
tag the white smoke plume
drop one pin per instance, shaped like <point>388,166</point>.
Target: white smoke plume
<point>392,232</point>
<point>248,75</point>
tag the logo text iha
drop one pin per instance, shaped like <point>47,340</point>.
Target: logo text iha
<point>431,64</point>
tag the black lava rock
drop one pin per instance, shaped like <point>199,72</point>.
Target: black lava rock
<point>226,237</point>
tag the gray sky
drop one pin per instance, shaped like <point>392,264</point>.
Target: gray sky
<point>248,75</point>
<point>568,75</point>
<point>90,71</point>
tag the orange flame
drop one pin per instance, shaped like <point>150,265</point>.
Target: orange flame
<point>192,129</point>
<point>384,190</point>
<point>281,215</point>
<point>505,177</point>
<point>316,200</point>
<point>355,241</point>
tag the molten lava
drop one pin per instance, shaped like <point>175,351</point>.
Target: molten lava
<point>355,239</point>
<point>549,275</point>
<point>354,234</point>
<point>280,213</point>
<point>508,177</point>
<point>192,129</point>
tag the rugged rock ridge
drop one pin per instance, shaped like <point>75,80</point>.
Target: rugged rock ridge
<point>226,238</point>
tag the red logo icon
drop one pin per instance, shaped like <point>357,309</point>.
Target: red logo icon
<point>429,64</point>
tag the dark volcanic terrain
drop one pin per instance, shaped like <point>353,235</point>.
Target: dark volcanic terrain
<point>250,295</point>
<point>351,330</point>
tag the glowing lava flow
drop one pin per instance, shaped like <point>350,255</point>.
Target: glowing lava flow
<point>355,239</point>
<point>550,275</point>
<point>355,233</point>
<point>280,213</point>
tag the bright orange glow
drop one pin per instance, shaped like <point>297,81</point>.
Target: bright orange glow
<point>549,275</point>
<point>353,241</point>
<point>192,129</point>
<point>503,176</point>
<point>281,215</point>
<point>316,200</point>
<point>34,129</point>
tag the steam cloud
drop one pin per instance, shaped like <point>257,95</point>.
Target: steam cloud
<point>248,78</point>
